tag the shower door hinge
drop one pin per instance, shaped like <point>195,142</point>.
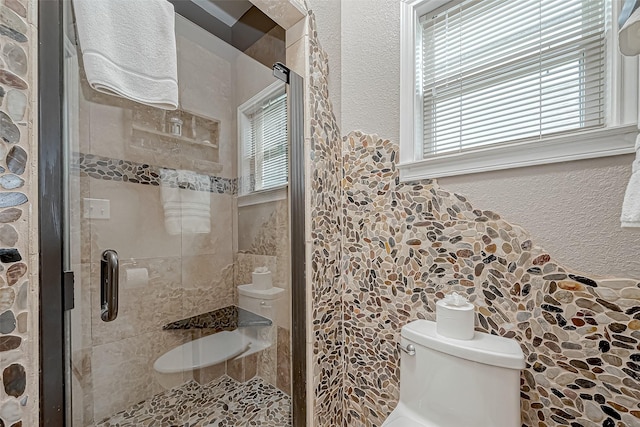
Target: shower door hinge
<point>281,72</point>
<point>68,290</point>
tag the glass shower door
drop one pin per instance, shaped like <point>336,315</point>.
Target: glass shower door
<point>193,340</point>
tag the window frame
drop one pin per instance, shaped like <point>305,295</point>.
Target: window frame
<point>615,138</point>
<point>244,121</point>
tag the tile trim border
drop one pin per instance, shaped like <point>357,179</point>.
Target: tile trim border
<point>118,170</point>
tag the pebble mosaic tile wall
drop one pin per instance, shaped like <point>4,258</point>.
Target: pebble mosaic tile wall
<point>326,231</point>
<point>18,255</point>
<point>405,245</point>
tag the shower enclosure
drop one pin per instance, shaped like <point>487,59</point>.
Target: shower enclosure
<point>178,233</point>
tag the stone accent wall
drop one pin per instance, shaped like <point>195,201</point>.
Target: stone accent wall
<point>18,231</point>
<point>403,246</point>
<point>325,222</point>
<point>408,244</point>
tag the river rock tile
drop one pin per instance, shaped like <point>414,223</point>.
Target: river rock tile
<point>15,272</point>
<point>16,58</point>
<point>106,168</point>
<point>21,297</point>
<point>326,228</point>
<point>8,235</point>
<point>9,132</point>
<point>17,7</point>
<point>16,160</point>
<point>552,311</point>
<point>14,380</point>
<point>16,103</point>
<point>11,182</point>
<point>10,215</point>
<point>7,322</point>
<point>7,78</point>
<point>223,402</point>
<point>8,255</point>
<point>7,297</point>
<point>21,321</point>
<point>11,25</point>
<point>9,342</point>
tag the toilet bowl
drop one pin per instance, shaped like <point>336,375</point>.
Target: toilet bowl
<point>446,382</point>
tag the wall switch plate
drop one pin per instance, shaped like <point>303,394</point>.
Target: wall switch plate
<point>97,208</point>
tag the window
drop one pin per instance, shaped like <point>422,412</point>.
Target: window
<point>503,83</point>
<point>263,148</point>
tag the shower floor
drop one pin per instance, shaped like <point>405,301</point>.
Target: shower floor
<point>223,402</point>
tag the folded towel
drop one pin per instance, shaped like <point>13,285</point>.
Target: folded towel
<point>129,49</point>
<point>185,211</point>
<point>631,205</point>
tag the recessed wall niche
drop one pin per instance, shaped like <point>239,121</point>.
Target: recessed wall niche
<point>188,141</point>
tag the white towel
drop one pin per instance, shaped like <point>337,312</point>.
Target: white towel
<point>186,211</point>
<point>129,49</point>
<point>631,205</point>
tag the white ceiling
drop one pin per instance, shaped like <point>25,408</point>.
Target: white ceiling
<point>227,11</point>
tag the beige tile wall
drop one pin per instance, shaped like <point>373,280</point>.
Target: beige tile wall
<point>264,241</point>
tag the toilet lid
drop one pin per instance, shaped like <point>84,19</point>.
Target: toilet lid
<point>404,422</point>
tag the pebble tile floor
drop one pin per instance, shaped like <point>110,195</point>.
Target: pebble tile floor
<point>224,402</point>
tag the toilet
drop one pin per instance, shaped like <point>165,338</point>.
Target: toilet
<point>269,303</point>
<point>447,382</point>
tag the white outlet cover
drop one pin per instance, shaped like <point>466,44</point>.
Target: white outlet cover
<point>97,208</point>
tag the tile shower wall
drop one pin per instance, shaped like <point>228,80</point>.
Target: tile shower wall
<point>18,227</point>
<point>404,245</point>
<point>188,273</point>
<point>263,240</point>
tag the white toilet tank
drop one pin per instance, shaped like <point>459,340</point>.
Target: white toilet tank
<point>458,383</point>
<point>265,302</point>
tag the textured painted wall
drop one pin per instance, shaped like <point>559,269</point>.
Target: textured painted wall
<point>370,70</point>
<point>18,227</point>
<point>582,199</point>
<point>371,66</point>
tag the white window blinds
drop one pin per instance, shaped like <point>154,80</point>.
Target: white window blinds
<point>497,71</point>
<point>265,162</point>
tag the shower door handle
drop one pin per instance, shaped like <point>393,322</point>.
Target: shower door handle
<point>109,285</point>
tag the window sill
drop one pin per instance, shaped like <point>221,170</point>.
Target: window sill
<point>584,145</point>
<point>264,196</point>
